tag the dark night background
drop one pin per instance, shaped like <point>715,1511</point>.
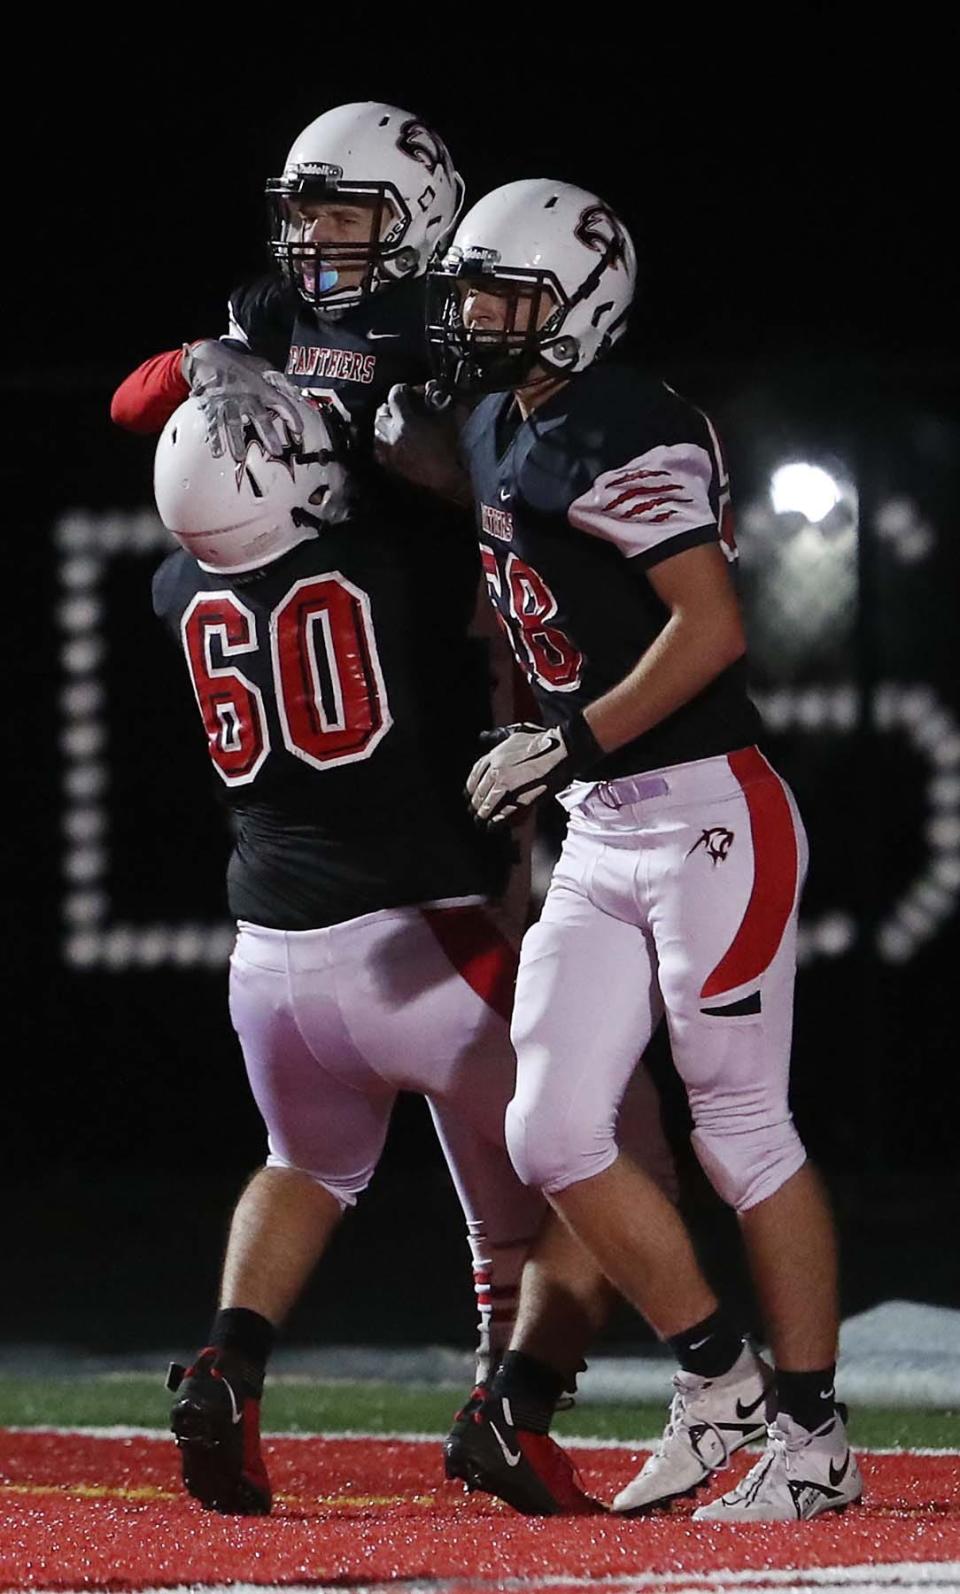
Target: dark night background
<point>789,190</point>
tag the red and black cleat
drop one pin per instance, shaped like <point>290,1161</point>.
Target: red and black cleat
<point>528,1470</point>
<point>454,1457</point>
<point>216,1423</point>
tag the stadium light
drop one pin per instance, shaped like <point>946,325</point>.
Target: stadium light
<point>804,489</point>
<point>901,527</point>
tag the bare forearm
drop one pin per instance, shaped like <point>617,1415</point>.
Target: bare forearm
<point>682,661</point>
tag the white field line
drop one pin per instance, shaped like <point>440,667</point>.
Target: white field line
<point>902,1577</point>
<point>570,1441</point>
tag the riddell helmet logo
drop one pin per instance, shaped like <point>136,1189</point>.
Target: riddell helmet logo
<point>421,145</point>
<point>599,229</point>
<point>496,523</point>
<point>314,169</point>
<point>476,255</point>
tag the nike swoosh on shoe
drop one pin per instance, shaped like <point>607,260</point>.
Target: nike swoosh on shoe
<point>837,1474</point>
<point>512,1460</point>
<point>748,1411</point>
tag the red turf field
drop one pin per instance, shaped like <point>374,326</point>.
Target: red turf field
<point>80,1512</point>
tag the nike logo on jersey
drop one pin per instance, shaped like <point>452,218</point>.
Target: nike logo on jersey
<point>378,335</point>
<point>748,1411</point>
<point>512,1458</point>
<point>837,1474</point>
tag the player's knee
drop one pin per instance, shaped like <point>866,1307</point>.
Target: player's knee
<point>344,1190</point>
<point>746,1162</point>
<point>550,1155</point>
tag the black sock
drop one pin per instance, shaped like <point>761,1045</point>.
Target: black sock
<point>709,1348</point>
<point>807,1397</point>
<point>246,1337</point>
<point>532,1389</point>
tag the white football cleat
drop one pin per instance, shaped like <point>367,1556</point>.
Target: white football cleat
<point>709,1419</point>
<point>800,1475</point>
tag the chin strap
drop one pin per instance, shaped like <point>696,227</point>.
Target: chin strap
<point>303,517</point>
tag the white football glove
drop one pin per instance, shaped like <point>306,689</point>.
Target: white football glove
<point>238,391</point>
<point>415,436</point>
<point>526,762</point>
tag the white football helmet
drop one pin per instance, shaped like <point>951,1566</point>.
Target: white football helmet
<point>558,242</point>
<point>374,155</point>
<point>236,517</point>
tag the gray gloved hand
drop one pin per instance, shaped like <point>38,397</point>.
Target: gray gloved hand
<point>525,762</point>
<point>416,438</point>
<point>237,391</point>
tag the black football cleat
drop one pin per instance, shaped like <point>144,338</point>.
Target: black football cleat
<point>528,1470</point>
<point>454,1458</point>
<point>216,1423</point>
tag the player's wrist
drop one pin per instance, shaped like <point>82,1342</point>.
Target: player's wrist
<point>583,749</point>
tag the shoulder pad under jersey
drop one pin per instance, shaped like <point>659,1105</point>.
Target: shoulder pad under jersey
<point>262,314</point>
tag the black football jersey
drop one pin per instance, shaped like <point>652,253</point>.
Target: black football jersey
<point>342,700</point>
<point>606,479</point>
<point>347,365</point>
<point>341,694</point>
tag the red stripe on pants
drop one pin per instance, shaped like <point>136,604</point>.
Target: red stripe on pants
<point>774,876</point>
<point>478,952</point>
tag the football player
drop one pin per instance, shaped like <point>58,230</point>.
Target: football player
<point>603,511</point>
<point>367,192</point>
<point>366,959</point>
<point>367,196</point>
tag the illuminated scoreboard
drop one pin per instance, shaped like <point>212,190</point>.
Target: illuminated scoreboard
<point>144,844</point>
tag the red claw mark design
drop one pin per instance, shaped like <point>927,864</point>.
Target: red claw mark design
<point>649,494</point>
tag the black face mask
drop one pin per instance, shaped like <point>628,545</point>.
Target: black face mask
<point>300,260</point>
<point>475,360</point>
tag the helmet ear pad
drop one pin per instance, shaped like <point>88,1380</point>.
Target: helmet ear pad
<point>405,263</point>
<point>563,354</point>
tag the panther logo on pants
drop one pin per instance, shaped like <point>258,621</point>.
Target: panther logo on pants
<point>716,841</point>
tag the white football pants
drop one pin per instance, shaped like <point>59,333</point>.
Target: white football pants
<point>675,891</point>
<point>334,1022</point>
